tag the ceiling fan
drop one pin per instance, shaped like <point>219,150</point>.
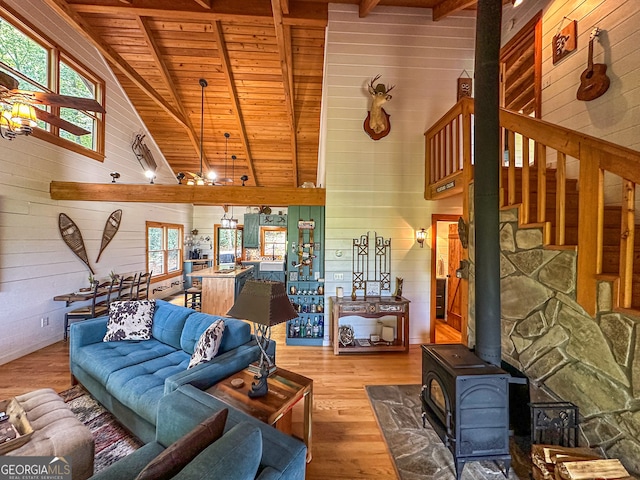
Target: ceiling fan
<point>10,95</point>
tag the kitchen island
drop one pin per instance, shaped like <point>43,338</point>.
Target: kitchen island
<point>221,286</point>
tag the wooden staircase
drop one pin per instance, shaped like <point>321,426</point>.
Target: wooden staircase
<point>571,211</point>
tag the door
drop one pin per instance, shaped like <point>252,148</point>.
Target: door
<point>454,292</point>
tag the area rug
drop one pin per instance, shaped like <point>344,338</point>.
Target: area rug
<point>417,452</point>
<point>112,441</point>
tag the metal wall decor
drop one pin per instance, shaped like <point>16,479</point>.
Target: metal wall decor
<point>371,273</point>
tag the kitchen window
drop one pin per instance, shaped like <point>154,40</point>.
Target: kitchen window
<point>273,242</point>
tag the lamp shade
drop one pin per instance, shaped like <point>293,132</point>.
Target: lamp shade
<point>23,114</point>
<point>263,302</point>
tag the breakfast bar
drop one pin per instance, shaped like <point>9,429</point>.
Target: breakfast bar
<point>221,286</point>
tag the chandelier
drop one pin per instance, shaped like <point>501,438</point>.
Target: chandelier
<point>200,178</point>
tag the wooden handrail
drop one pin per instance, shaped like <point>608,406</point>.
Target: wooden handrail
<point>595,156</point>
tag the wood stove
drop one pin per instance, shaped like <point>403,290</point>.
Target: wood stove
<point>466,401</point>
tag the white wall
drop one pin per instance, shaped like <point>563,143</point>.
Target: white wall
<point>378,186</point>
<point>35,264</point>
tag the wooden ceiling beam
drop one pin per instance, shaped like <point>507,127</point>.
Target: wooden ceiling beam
<point>75,20</point>
<point>233,95</point>
<point>283,39</point>
<point>145,28</point>
<point>188,194</point>
<point>449,7</point>
<point>204,3</point>
<point>366,6</point>
<point>301,13</point>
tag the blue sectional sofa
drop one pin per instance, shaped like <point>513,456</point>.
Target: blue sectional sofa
<point>131,377</point>
<point>248,448</point>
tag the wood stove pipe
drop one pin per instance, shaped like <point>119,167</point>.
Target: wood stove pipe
<point>486,183</point>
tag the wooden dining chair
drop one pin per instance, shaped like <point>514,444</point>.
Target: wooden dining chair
<point>144,282</point>
<point>94,309</point>
<point>112,296</point>
<point>127,287</point>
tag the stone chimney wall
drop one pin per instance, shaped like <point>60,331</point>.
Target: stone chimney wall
<point>571,356</point>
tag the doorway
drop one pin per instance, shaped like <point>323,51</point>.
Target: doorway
<point>446,306</point>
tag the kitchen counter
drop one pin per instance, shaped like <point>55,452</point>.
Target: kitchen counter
<point>217,272</point>
<point>221,287</point>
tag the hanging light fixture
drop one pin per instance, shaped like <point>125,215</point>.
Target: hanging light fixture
<point>19,121</point>
<point>211,176</point>
<point>224,221</point>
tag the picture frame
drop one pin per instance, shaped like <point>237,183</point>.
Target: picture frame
<point>373,289</point>
<point>293,276</point>
<point>565,41</point>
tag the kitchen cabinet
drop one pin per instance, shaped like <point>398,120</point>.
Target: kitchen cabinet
<point>251,230</point>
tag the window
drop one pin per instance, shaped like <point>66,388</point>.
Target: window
<point>40,65</point>
<point>164,250</point>
<point>273,242</point>
<point>228,244</point>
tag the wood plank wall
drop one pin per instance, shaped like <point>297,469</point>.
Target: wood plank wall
<point>35,264</point>
<point>378,186</point>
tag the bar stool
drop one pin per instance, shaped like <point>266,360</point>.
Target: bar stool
<point>193,298</point>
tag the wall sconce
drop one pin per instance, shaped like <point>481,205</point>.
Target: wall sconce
<point>421,235</point>
<point>114,176</point>
<point>180,176</point>
<point>516,3</point>
<point>244,178</point>
<point>150,174</point>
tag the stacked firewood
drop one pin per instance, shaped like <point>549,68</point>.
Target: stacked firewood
<point>551,462</point>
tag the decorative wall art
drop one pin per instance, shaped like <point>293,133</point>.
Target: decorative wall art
<point>371,273</point>
<point>377,124</point>
<point>73,238</point>
<point>110,229</point>
<point>465,86</point>
<point>593,80</point>
<point>565,40</point>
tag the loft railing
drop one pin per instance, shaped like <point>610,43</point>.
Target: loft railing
<point>535,159</point>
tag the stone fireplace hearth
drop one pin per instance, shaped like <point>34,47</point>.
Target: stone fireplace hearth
<point>567,354</point>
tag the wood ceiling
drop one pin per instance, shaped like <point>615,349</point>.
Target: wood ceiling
<point>263,62</point>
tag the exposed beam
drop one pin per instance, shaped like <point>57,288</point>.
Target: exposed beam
<point>233,95</point>
<point>283,39</point>
<point>449,7</point>
<point>189,194</point>
<point>204,3</point>
<point>302,13</point>
<point>366,6</point>
<point>285,7</point>
<point>145,28</point>
<point>75,20</point>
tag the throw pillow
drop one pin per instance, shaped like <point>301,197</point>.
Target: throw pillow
<point>208,344</point>
<point>177,455</point>
<point>130,320</point>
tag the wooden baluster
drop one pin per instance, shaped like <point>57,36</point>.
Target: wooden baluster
<point>627,238</point>
<point>511,185</point>
<point>440,156</point>
<point>456,144</point>
<point>561,198</point>
<point>452,160</point>
<point>429,165</point>
<point>526,188</point>
<point>541,163</point>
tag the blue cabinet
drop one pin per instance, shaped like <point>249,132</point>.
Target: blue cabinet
<point>251,230</point>
<point>190,266</point>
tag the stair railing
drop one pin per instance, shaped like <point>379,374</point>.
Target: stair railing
<point>529,142</point>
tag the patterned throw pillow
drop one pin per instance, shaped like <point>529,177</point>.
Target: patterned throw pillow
<point>208,344</point>
<point>130,320</point>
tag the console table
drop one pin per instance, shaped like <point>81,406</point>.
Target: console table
<point>374,308</point>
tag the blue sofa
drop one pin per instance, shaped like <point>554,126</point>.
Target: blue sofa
<point>248,448</point>
<point>131,377</point>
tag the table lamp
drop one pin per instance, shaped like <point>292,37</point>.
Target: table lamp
<point>264,303</point>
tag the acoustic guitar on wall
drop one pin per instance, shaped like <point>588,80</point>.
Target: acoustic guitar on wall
<point>593,81</point>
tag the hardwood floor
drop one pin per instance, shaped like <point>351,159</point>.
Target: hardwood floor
<point>347,443</point>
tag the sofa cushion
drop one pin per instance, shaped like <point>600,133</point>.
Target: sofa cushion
<point>141,386</point>
<point>235,456</point>
<point>130,320</point>
<point>177,455</point>
<point>208,344</point>
<point>236,332</point>
<point>168,322</point>
<point>102,359</point>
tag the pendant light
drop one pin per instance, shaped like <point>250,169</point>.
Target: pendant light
<point>211,176</point>
<point>224,221</point>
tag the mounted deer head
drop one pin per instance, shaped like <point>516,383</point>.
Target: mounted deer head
<point>377,123</point>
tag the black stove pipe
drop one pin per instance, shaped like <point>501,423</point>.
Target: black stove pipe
<point>486,184</point>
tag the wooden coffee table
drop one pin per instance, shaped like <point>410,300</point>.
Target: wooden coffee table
<point>286,389</point>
